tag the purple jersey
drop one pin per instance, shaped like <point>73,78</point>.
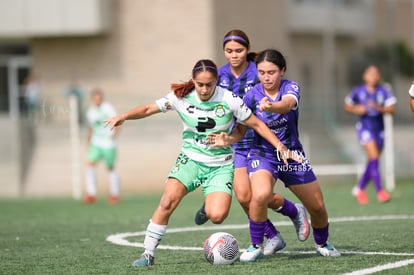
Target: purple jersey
<point>284,126</point>
<point>373,120</point>
<point>240,86</point>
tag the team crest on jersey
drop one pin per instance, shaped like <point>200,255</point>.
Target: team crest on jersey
<point>220,112</point>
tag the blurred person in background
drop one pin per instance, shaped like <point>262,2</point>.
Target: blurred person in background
<point>370,101</point>
<point>411,93</point>
<point>239,76</point>
<point>101,146</point>
<point>32,95</point>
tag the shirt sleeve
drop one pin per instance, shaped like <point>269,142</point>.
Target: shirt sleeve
<point>293,90</point>
<point>166,103</point>
<point>389,98</point>
<point>352,98</point>
<point>239,108</point>
<point>411,90</point>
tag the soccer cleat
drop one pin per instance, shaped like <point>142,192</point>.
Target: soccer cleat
<point>274,245</point>
<point>114,199</point>
<point>145,260</point>
<point>327,250</point>
<point>252,254</point>
<point>201,216</point>
<point>383,196</point>
<point>361,196</point>
<point>301,223</point>
<point>89,199</point>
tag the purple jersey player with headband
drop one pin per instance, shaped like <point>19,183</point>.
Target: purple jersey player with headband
<point>275,101</point>
<point>370,101</point>
<point>239,75</point>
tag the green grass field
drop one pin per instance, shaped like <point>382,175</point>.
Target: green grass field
<point>61,236</point>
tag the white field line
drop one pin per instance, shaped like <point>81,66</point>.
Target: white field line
<point>379,268</point>
<point>120,239</point>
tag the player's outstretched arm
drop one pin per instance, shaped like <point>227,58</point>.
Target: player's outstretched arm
<point>280,107</point>
<point>357,109</point>
<point>136,113</point>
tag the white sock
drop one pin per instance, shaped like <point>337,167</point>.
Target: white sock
<point>153,237</point>
<point>114,183</point>
<point>91,181</point>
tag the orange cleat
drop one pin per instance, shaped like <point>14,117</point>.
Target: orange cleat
<point>89,199</point>
<point>361,197</point>
<point>383,196</point>
<point>114,199</point>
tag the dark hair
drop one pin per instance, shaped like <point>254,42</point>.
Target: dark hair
<point>273,56</point>
<point>203,65</point>
<point>240,37</point>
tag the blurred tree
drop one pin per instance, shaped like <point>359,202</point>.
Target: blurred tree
<point>391,57</point>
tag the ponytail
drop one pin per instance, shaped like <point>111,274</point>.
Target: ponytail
<point>182,89</point>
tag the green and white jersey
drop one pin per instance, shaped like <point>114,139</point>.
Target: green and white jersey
<point>101,136</point>
<point>203,117</point>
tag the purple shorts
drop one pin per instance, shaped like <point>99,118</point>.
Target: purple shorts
<point>240,158</point>
<point>292,174</point>
<point>365,136</point>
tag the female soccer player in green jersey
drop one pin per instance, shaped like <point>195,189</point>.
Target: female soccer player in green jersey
<point>204,108</point>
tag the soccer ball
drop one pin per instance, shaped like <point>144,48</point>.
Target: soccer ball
<point>221,248</point>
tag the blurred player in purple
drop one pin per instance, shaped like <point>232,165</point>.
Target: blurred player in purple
<point>370,102</point>
<point>239,75</point>
<point>276,101</point>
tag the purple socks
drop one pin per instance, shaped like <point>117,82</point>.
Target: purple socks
<point>260,229</point>
<point>371,172</point>
<point>288,209</point>
<point>320,235</point>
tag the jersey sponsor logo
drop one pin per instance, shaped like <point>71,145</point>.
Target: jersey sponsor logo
<point>190,109</point>
<point>229,157</point>
<point>205,123</point>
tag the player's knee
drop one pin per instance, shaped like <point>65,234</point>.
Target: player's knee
<point>168,203</point>
<point>244,201</point>
<point>318,209</point>
<point>217,218</point>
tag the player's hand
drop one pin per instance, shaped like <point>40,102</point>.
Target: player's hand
<point>374,105</point>
<point>284,154</point>
<point>114,121</point>
<point>265,104</point>
<point>215,140</point>
<point>360,110</point>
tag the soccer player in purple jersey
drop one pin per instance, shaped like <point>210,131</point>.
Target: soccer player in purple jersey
<point>239,75</point>
<point>275,101</point>
<point>370,101</point>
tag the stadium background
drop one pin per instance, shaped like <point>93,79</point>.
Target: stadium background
<point>133,50</point>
